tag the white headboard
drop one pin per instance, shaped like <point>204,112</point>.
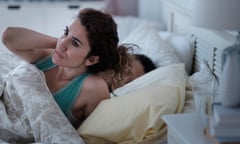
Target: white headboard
<point>209,43</point>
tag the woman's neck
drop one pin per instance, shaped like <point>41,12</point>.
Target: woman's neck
<point>67,73</point>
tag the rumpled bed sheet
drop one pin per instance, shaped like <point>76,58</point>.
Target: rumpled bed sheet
<point>28,112</point>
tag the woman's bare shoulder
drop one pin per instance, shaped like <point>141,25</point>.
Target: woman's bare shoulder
<point>94,90</point>
<point>95,84</point>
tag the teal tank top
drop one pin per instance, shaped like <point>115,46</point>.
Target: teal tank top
<point>66,96</point>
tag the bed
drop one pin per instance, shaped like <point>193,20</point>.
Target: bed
<point>182,53</point>
<point>200,51</point>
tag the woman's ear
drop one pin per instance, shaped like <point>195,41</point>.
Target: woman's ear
<point>92,60</point>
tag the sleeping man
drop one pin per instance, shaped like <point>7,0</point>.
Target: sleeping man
<point>140,65</point>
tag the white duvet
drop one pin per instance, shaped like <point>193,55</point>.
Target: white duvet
<point>28,112</point>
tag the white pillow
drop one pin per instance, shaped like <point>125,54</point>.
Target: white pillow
<point>152,45</point>
<point>136,116</point>
<point>183,45</point>
<point>161,74</point>
<point>126,24</point>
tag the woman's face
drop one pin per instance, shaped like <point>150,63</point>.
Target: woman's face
<point>72,47</point>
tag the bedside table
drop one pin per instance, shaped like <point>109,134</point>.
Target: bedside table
<point>186,128</point>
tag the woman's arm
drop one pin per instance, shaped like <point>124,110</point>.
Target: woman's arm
<point>28,44</point>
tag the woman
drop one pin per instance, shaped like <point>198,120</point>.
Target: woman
<point>88,46</point>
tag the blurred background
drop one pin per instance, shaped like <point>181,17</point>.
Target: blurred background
<point>51,16</point>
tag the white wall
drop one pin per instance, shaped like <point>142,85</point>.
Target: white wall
<point>150,9</point>
<point>122,7</point>
<point>155,10</point>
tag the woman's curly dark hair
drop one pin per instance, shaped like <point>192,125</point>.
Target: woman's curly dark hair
<point>103,39</point>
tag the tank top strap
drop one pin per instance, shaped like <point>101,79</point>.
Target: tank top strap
<point>66,96</point>
<point>45,63</point>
